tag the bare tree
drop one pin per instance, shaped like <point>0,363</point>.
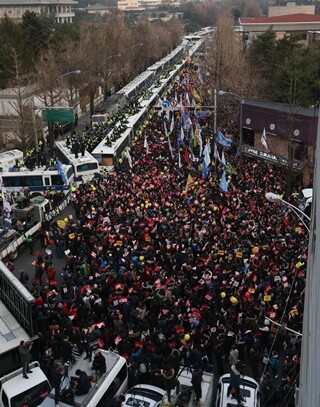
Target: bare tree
<point>49,90</point>
<point>22,119</point>
<point>90,62</point>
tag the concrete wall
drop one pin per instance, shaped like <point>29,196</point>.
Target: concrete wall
<point>285,10</point>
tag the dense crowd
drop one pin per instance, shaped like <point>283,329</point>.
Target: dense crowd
<point>165,271</point>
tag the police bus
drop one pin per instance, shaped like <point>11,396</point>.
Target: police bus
<point>10,158</point>
<point>38,180</point>
<point>85,167</point>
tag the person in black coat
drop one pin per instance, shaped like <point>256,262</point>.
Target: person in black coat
<point>196,381</point>
<point>56,375</point>
<point>66,349</point>
<point>99,362</point>
<point>83,383</point>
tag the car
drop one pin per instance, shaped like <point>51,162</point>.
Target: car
<point>144,395</point>
<point>249,390</point>
<point>305,200</point>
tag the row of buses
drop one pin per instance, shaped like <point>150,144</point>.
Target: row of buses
<point>76,170</point>
<point>162,73</point>
<point>84,168</point>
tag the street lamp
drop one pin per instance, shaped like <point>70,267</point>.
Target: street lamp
<point>274,198</point>
<point>77,72</point>
<point>223,92</point>
<point>105,73</point>
<point>309,389</point>
<point>50,124</point>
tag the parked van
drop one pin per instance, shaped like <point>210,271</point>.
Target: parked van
<point>249,390</point>
<point>16,391</point>
<point>103,387</point>
<point>305,200</point>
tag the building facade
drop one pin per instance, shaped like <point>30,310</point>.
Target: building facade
<point>291,134</point>
<point>62,10</point>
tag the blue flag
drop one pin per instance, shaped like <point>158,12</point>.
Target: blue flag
<point>61,172</point>
<point>221,139</point>
<point>205,170</point>
<point>223,184</point>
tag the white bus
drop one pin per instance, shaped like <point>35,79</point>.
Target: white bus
<point>38,180</point>
<point>84,167</point>
<point>9,158</point>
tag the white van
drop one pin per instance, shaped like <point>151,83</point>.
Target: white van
<point>305,200</point>
<point>103,387</point>
<point>249,390</point>
<point>9,158</point>
<point>17,391</point>
<point>145,395</point>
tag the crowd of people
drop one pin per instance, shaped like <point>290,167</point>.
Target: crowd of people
<point>168,271</point>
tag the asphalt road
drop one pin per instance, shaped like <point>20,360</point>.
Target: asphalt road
<point>25,259</point>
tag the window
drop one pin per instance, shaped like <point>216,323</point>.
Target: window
<point>87,167</point>
<point>31,397</point>
<point>56,180</point>
<point>69,173</point>
<point>114,387</point>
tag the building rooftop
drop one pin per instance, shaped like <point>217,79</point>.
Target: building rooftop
<point>288,18</point>
<point>36,2</point>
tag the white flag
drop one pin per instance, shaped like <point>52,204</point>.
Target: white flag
<point>6,204</point>
<point>146,145</point>
<point>264,139</point>
<point>129,159</point>
<point>182,134</point>
<point>198,134</point>
<point>172,123</point>
<point>187,99</point>
<point>179,158</point>
<point>169,143</point>
<point>216,152</point>
<point>223,158</point>
<point>206,155</point>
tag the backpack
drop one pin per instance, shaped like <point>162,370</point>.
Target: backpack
<point>67,395</point>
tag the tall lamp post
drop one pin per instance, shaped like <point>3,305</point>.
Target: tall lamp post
<point>76,72</point>
<point>309,389</point>
<point>223,92</point>
<point>215,93</point>
<point>50,124</point>
<point>105,73</point>
<point>274,198</point>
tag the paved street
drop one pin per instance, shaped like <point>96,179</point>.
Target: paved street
<point>24,261</point>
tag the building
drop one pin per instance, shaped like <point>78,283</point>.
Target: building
<point>129,5</point>
<point>284,24</point>
<point>62,10</point>
<point>285,127</point>
<point>98,8</point>
<point>290,8</point>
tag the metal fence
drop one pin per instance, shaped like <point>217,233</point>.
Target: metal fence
<point>17,299</point>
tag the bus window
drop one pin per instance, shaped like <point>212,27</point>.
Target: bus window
<point>87,167</point>
<point>114,387</point>
<point>56,180</point>
<point>47,181</point>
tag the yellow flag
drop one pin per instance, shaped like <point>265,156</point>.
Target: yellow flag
<point>190,182</point>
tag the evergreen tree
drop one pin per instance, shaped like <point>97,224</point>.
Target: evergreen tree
<point>35,38</point>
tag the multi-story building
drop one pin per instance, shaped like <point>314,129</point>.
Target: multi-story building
<point>62,10</point>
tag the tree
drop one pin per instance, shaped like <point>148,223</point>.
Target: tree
<point>92,66</point>
<point>262,54</point>
<point>302,66</point>
<point>11,43</point>
<point>23,118</point>
<point>35,38</point>
<point>49,90</point>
